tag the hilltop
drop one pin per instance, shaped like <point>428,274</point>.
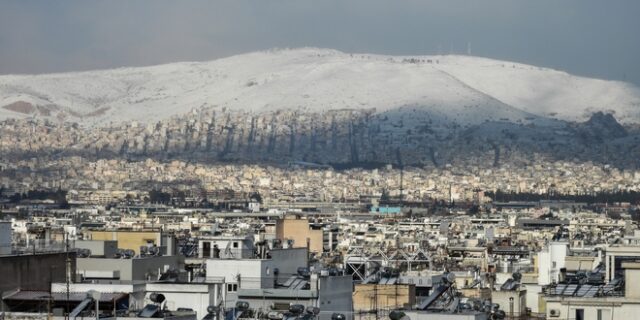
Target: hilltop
<point>448,89</point>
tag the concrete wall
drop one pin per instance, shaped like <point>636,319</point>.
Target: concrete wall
<point>550,261</point>
<point>129,239</point>
<point>578,263</point>
<point>240,248</point>
<point>265,300</point>
<point>150,266</point>
<point>335,295</point>
<point>105,268</point>
<point>614,252</point>
<point>5,237</point>
<point>130,269</point>
<point>194,296</point>
<point>421,315</point>
<point>388,296</point>
<point>136,291</point>
<point>99,248</point>
<point>631,278</point>
<point>533,297</point>
<point>33,272</point>
<point>519,301</point>
<point>289,260</point>
<point>298,230</point>
<point>253,273</point>
<point>611,308</point>
<point>330,294</point>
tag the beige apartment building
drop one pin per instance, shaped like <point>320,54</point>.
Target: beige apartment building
<point>298,230</point>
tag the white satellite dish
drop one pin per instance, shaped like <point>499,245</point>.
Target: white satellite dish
<point>94,294</point>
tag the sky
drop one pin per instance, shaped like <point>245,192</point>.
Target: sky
<point>591,38</point>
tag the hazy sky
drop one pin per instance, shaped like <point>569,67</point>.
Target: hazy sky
<point>586,37</point>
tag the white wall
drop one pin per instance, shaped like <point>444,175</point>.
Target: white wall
<point>610,312</point>
<point>254,273</point>
<point>558,252</point>
<point>533,297</point>
<point>421,315</point>
<point>544,267</point>
<point>550,261</point>
<point>194,296</point>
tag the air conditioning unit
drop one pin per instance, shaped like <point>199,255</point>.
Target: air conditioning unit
<point>554,313</point>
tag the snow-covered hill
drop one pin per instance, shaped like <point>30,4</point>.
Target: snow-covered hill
<point>462,89</point>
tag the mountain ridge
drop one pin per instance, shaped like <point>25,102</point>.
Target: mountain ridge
<point>311,79</point>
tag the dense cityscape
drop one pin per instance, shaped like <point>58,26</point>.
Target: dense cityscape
<point>306,160</point>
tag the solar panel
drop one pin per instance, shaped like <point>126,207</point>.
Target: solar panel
<point>289,281</point>
<point>299,285</point>
<point>149,311</point>
<point>83,305</point>
<point>558,289</point>
<point>510,285</point>
<point>570,290</point>
<point>593,291</point>
<point>295,283</point>
<point>611,286</point>
<point>583,290</point>
<point>369,278</point>
<point>433,297</point>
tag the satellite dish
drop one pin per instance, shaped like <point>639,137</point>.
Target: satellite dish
<point>449,278</point>
<point>517,276</point>
<point>95,295</point>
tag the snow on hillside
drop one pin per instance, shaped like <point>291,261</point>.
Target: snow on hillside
<point>546,92</point>
<point>463,89</point>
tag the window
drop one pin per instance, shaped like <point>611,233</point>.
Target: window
<point>232,287</point>
<point>604,314</point>
<point>235,244</point>
<point>579,314</point>
<point>206,249</point>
